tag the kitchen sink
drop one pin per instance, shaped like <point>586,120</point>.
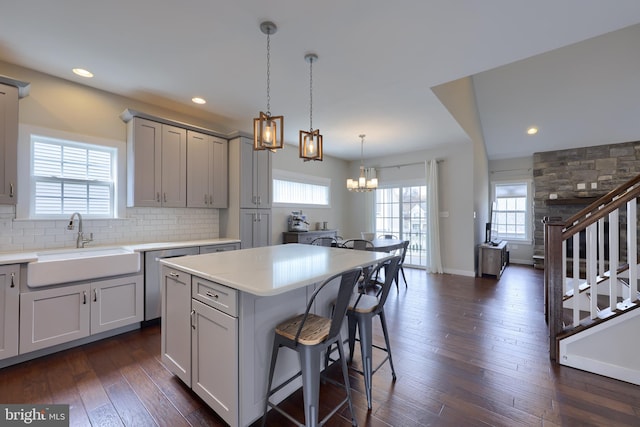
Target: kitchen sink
<point>71,265</point>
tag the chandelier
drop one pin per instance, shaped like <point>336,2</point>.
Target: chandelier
<point>268,130</point>
<point>362,183</point>
<point>311,142</point>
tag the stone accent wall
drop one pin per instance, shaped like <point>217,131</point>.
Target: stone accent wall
<point>560,172</point>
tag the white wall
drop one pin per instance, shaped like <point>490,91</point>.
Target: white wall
<point>332,168</point>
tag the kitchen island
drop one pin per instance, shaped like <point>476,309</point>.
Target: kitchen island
<point>219,312</point>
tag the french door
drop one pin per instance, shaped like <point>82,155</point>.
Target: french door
<point>402,212</point>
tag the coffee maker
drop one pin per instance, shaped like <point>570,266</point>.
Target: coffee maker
<point>298,222</point>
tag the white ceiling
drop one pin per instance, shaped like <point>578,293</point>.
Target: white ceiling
<point>378,61</point>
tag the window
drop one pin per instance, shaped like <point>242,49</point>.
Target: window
<point>511,213</point>
<point>299,190</point>
<point>70,176</point>
<point>402,212</point>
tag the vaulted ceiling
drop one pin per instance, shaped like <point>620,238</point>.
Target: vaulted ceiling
<point>568,67</point>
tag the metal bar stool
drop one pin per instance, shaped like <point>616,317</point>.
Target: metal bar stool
<point>362,309</point>
<point>309,335</point>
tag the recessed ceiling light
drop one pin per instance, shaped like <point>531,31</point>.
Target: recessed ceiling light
<point>532,130</point>
<point>198,100</point>
<point>82,72</point>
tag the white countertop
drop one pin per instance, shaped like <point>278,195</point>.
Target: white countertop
<point>274,270</point>
<point>30,256</point>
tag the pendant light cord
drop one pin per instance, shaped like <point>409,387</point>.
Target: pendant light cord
<point>268,73</point>
<point>311,95</point>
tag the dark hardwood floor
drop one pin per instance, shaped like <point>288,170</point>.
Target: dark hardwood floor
<point>467,352</point>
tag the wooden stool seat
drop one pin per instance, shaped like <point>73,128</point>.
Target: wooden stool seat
<point>314,331</point>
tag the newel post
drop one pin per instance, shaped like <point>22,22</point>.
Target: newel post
<point>553,281</point>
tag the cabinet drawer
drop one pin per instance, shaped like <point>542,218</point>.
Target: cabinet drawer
<point>215,295</point>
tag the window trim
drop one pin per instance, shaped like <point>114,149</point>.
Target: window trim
<point>528,239</point>
<point>282,175</point>
<point>23,206</point>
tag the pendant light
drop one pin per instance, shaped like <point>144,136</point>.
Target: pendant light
<point>311,142</point>
<point>362,183</point>
<point>268,130</point>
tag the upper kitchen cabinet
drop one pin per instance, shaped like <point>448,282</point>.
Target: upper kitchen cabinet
<point>10,91</point>
<point>157,164</point>
<point>207,182</point>
<point>255,176</point>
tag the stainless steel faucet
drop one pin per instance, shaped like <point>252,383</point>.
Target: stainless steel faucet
<point>80,240</point>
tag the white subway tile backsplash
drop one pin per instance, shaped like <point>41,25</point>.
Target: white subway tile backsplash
<point>142,225</point>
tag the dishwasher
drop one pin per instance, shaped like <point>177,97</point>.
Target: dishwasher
<point>152,276</point>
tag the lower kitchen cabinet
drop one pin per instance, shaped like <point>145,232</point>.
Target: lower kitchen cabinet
<point>214,359</point>
<point>55,316</point>
<point>175,341</point>
<point>9,301</point>
<point>116,302</point>
<point>206,359</point>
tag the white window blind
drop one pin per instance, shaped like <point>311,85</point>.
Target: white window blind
<point>69,176</point>
<point>293,192</point>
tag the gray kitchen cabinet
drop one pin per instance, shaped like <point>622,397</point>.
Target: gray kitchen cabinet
<point>255,228</point>
<point>54,316</point>
<point>66,313</point>
<point>207,182</point>
<point>255,176</point>
<point>214,347</point>
<point>9,303</point>
<point>8,144</point>
<point>208,249</point>
<point>156,163</point>
<point>116,302</point>
<point>175,340</point>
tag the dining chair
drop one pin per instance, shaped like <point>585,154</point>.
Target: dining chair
<point>387,236</point>
<point>310,335</point>
<point>324,241</point>
<point>359,244</point>
<point>403,254</point>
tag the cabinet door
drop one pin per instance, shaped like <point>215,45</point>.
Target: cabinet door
<point>248,218</point>
<point>175,338</point>
<point>262,178</point>
<point>116,302</point>
<point>8,144</point>
<point>174,167</point>
<point>144,163</point>
<point>199,159</point>
<point>247,194</point>
<point>262,230</point>
<point>215,360</point>
<point>219,175</point>
<point>9,300</point>
<point>53,316</point>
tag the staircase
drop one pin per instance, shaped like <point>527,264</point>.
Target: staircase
<point>591,302</point>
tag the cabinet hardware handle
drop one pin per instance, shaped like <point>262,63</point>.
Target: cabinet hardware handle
<point>172,274</point>
<point>210,295</point>
<point>206,202</point>
<point>11,190</point>
<point>95,295</point>
<point>84,297</point>
<point>13,276</point>
<point>158,197</point>
<point>210,199</point>
<point>193,324</point>
<point>165,197</point>
<point>259,200</point>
